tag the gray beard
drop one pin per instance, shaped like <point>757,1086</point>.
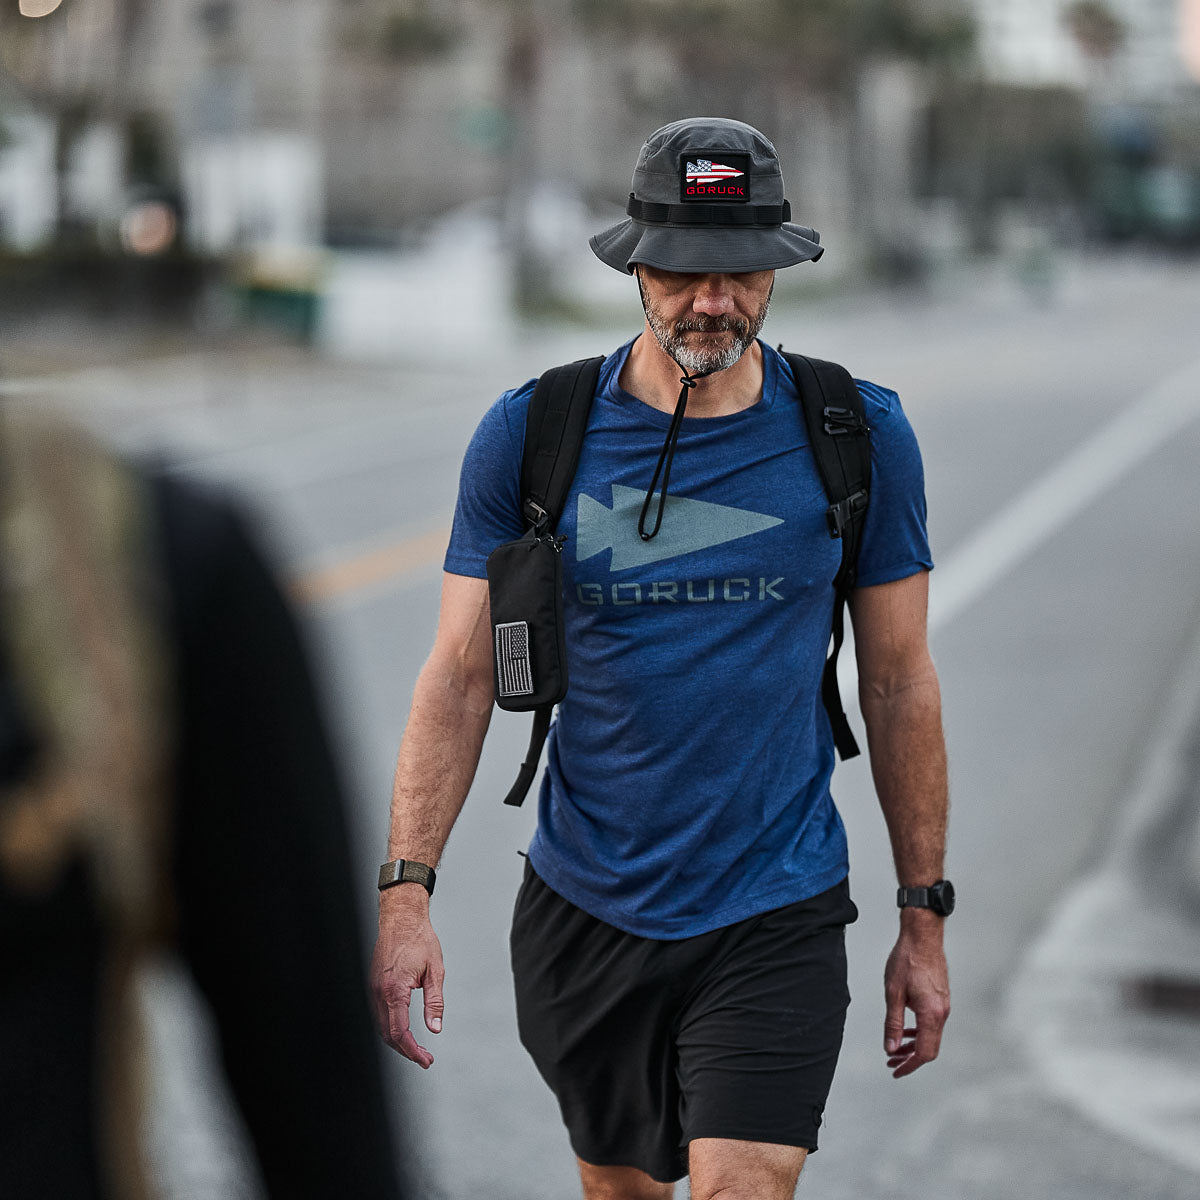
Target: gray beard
<point>697,360</point>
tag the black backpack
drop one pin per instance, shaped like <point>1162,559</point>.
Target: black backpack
<point>558,416</point>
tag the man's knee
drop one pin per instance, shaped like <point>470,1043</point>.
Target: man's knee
<point>621,1183</point>
<point>729,1169</point>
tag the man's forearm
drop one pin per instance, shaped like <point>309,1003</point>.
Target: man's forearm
<point>439,754</point>
<point>908,761</point>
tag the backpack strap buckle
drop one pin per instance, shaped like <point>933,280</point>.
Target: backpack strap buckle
<point>841,515</point>
<point>843,420</point>
<point>536,515</point>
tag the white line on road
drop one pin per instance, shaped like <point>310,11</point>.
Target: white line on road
<point>1043,509</point>
<point>1049,504</point>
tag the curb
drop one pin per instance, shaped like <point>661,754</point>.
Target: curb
<point>1128,930</point>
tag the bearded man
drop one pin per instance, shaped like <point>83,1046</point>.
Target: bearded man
<point>678,939</point>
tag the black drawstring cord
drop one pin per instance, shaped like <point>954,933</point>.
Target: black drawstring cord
<point>668,454</point>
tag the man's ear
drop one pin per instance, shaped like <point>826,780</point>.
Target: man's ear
<point>637,274</point>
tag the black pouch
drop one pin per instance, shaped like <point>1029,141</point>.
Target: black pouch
<point>528,641</point>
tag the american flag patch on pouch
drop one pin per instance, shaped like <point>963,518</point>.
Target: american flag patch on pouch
<point>514,669</point>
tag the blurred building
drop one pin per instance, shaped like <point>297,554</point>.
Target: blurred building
<point>217,102</point>
<point>284,124</point>
<point>1134,48</point>
<point>28,196</point>
<point>281,121</point>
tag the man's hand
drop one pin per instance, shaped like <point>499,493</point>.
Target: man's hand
<point>408,955</point>
<point>916,978</point>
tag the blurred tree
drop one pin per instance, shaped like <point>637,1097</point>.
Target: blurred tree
<point>18,38</point>
<point>146,159</point>
<point>796,66</point>
<point>805,55</point>
<point>106,89</point>
<point>522,68</point>
<point>403,30</point>
<point>1098,30</point>
<point>73,114</point>
<point>822,42</point>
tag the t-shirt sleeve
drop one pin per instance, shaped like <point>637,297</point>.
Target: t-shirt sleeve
<point>895,542</point>
<point>488,510</point>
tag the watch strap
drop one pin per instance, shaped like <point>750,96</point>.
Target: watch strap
<point>405,870</point>
<point>938,898</point>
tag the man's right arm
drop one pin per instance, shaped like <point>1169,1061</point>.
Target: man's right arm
<point>439,753</point>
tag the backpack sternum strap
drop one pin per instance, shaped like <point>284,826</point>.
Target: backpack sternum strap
<point>842,515</point>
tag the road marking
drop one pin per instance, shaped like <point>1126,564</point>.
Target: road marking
<point>375,566</point>
<point>1050,503</point>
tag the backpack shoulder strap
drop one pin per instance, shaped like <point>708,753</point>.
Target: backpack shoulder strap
<point>840,438</point>
<point>558,416</point>
<point>838,433</point>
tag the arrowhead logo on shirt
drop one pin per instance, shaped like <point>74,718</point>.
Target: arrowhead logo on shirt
<point>687,526</point>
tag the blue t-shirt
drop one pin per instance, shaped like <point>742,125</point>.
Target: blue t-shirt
<point>688,774</point>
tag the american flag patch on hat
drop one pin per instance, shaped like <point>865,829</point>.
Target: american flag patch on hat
<point>715,176</point>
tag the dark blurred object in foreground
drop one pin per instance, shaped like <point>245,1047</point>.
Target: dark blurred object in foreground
<point>167,780</point>
<point>1174,995</point>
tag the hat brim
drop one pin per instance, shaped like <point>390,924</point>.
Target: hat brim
<point>704,248</point>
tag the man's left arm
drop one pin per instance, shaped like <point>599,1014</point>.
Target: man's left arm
<point>901,706</point>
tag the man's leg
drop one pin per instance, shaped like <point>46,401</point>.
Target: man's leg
<point>758,1043</point>
<point>725,1169</point>
<point>621,1183</point>
<point>595,1010</point>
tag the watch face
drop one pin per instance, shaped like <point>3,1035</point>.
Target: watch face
<point>942,895</point>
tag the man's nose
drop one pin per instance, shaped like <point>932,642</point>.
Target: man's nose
<point>713,296</point>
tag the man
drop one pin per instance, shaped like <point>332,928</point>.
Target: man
<point>677,942</point>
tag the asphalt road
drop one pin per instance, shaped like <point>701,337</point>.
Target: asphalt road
<point>1056,652</point>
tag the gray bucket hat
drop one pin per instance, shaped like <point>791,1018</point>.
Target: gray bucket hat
<point>707,196</point>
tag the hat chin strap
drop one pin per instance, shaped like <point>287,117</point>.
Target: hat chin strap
<point>667,454</point>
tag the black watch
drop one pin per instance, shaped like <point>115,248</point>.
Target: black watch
<point>939,897</point>
<point>404,870</point>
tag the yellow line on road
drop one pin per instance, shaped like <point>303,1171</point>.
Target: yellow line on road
<point>361,570</point>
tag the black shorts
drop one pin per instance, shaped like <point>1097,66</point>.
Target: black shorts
<point>648,1044</point>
